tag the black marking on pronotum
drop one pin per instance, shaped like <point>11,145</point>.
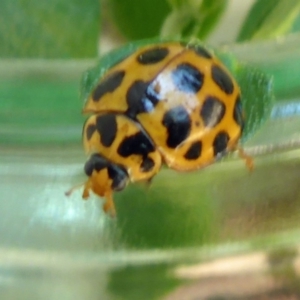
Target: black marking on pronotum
<point>238,113</point>
<point>222,79</point>
<point>212,111</point>
<point>194,151</point>
<point>138,144</point>
<point>147,165</point>
<point>153,55</point>
<point>187,78</point>
<point>108,84</point>
<point>220,143</point>
<point>95,162</point>
<point>90,131</point>
<point>201,51</point>
<point>141,97</point>
<point>107,128</point>
<point>178,124</point>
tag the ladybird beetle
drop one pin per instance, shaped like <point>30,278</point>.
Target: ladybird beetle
<point>167,103</point>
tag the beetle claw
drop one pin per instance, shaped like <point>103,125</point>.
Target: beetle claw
<point>248,159</point>
<point>109,206</point>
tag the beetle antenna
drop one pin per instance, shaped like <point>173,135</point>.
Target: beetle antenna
<point>72,189</point>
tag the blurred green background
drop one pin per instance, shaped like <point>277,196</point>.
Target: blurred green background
<point>54,247</point>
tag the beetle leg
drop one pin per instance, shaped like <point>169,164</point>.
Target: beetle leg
<point>109,206</point>
<point>248,159</point>
<point>72,189</point>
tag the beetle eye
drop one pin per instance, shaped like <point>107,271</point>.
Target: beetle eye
<point>95,162</point>
<point>119,177</point>
<point>120,184</point>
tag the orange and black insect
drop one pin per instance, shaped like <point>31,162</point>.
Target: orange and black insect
<point>166,103</point>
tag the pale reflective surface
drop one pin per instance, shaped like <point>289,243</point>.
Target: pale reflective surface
<point>55,247</point>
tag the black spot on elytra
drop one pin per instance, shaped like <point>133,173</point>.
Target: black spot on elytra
<point>194,151</point>
<point>153,55</point>
<point>138,144</point>
<point>220,143</point>
<point>141,97</point>
<point>201,51</point>
<point>118,175</point>
<point>108,84</point>
<point>95,162</point>
<point>147,165</point>
<point>107,128</point>
<point>178,124</point>
<point>187,78</point>
<point>212,111</point>
<point>90,131</point>
<point>222,79</point>
<point>238,113</point>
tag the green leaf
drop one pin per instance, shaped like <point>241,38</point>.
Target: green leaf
<point>167,18</point>
<point>212,12</point>
<point>138,19</point>
<point>175,4</point>
<point>257,92</point>
<point>257,97</point>
<point>49,28</point>
<point>255,18</point>
<point>193,19</point>
<point>180,220</point>
<point>270,18</point>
